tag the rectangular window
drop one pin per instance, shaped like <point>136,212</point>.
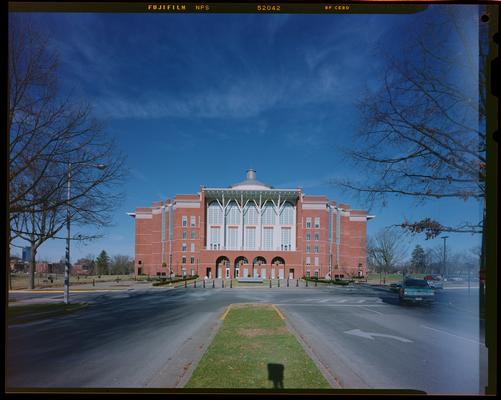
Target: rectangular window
<point>183,260</point>
<point>184,234</point>
<point>308,222</point>
<point>308,249</point>
<point>185,220</point>
<point>317,222</point>
<point>268,238</point>
<point>184,247</point>
<point>250,238</point>
<point>192,261</point>
<point>214,236</point>
<point>315,249</point>
<point>308,236</point>
<point>268,216</point>
<point>316,260</point>
<point>317,236</point>
<point>233,238</point>
<point>286,239</point>
<point>193,220</point>
<point>192,234</point>
<point>308,260</point>
<point>192,247</point>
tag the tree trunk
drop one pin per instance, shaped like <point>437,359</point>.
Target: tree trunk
<point>31,280</point>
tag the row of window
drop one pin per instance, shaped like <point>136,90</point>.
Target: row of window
<point>308,222</point>
<point>308,249</point>
<point>192,247</point>
<point>308,260</point>
<point>183,260</point>
<point>251,215</point>
<point>250,238</point>
<point>308,236</point>
<point>250,234</point>
<point>192,235</point>
<point>193,221</point>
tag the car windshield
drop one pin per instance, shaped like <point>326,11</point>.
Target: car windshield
<point>416,282</point>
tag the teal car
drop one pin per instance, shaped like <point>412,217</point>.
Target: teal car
<point>416,291</point>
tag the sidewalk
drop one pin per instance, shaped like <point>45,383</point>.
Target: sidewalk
<point>98,286</point>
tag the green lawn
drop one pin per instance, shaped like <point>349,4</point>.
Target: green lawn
<point>252,343</point>
<point>33,312</point>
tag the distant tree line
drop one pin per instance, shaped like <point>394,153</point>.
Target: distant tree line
<point>103,264</point>
<point>387,252</point>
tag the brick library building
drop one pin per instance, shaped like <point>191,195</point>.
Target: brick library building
<point>250,230</point>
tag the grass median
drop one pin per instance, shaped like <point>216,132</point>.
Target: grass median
<point>254,350</point>
<point>33,312</point>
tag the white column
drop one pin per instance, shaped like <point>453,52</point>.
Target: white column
<point>242,243</point>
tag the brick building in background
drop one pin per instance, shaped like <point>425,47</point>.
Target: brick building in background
<point>250,229</point>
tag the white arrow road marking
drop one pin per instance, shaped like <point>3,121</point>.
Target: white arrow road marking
<point>369,335</point>
<point>359,301</point>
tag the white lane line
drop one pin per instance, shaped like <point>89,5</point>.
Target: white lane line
<point>374,311</point>
<point>451,334</point>
<point>360,301</point>
<point>324,300</point>
<point>341,301</point>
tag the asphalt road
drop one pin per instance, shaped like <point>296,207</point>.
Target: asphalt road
<point>153,337</point>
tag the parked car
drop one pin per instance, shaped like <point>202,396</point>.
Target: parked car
<point>434,281</point>
<point>416,291</point>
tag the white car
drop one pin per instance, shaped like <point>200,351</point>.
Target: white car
<point>434,281</point>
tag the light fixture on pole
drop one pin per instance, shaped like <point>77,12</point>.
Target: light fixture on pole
<point>68,236</point>
<point>445,264</point>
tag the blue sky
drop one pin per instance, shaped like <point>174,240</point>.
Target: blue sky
<point>198,99</point>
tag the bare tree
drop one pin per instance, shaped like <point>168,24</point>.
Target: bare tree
<point>386,251</point>
<point>121,265</point>
<point>420,134</point>
<point>53,139</point>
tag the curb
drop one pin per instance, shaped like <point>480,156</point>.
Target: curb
<point>328,375</point>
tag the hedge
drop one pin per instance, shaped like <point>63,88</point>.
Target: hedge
<point>165,281</point>
<point>335,281</point>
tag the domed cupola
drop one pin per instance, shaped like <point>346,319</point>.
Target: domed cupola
<point>250,183</point>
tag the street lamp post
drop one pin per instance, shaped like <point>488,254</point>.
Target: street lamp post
<point>445,265</point>
<point>68,237</point>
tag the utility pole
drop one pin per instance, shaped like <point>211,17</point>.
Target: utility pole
<point>445,262</point>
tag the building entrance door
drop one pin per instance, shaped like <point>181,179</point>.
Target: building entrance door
<point>281,273</point>
<point>291,273</point>
<point>237,272</point>
<point>263,273</point>
<point>256,272</point>
<point>218,275</point>
<point>246,272</point>
<point>208,273</point>
<point>273,273</point>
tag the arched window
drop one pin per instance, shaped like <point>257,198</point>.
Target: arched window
<point>251,215</point>
<point>215,214</point>
<point>233,214</point>
<point>268,217</point>
<point>287,214</point>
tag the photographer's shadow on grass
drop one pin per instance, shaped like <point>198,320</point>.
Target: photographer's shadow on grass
<point>276,375</point>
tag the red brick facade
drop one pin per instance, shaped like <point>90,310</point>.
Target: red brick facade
<point>184,247</point>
